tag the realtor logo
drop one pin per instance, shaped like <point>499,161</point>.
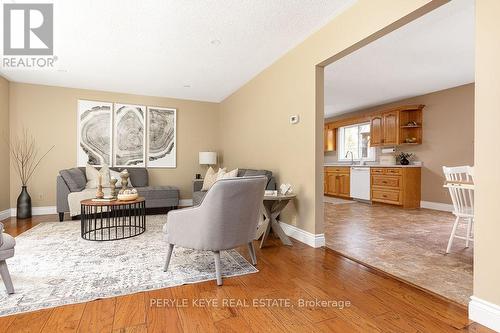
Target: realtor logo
<point>28,29</point>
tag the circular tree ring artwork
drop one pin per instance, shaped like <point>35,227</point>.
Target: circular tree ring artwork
<point>161,137</point>
<point>129,147</point>
<point>94,133</point>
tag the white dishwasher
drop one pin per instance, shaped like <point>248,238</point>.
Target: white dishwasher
<point>360,183</point>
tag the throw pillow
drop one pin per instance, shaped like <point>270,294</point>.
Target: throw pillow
<point>74,178</point>
<point>140,177</point>
<point>226,175</point>
<point>211,178</point>
<point>93,176</point>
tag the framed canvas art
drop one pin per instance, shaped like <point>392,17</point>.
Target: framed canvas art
<point>129,138</point>
<point>95,131</point>
<point>162,136</point>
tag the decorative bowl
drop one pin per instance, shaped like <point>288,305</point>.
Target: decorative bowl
<point>127,197</point>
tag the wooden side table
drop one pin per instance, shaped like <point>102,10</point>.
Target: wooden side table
<point>272,207</point>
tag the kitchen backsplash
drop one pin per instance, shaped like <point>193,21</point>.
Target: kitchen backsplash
<point>331,157</point>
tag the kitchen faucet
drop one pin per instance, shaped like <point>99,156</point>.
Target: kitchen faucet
<point>352,156</point>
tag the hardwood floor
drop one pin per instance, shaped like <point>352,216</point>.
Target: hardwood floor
<point>378,303</point>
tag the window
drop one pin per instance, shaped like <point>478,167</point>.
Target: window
<point>356,139</point>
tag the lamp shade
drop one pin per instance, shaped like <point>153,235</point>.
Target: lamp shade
<point>208,157</point>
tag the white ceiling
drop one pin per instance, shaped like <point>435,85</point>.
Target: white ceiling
<point>432,53</point>
<point>158,47</point>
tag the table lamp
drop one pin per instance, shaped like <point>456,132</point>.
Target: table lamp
<point>208,158</point>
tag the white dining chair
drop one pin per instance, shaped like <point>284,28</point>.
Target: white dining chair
<point>460,184</point>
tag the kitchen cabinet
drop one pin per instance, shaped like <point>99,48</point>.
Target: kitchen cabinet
<point>344,185</point>
<point>396,186</point>
<point>390,128</point>
<point>330,134</point>
<point>410,126</point>
<point>337,181</point>
<point>390,185</point>
<point>376,133</point>
<point>384,129</point>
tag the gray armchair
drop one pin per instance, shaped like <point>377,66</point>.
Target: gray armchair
<point>7,244</point>
<point>227,218</point>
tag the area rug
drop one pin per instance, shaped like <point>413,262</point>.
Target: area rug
<point>54,266</point>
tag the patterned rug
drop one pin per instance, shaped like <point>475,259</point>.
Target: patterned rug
<point>54,266</point>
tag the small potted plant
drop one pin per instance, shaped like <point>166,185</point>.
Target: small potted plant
<point>404,158</point>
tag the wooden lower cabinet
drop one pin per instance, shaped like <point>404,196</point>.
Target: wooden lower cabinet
<point>396,186</point>
<point>337,181</point>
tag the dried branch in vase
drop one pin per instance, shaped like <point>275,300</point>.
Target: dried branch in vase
<point>25,155</point>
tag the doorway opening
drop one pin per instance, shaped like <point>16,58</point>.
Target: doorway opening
<point>396,111</point>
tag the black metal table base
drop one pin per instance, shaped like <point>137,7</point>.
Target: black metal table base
<point>113,222</point>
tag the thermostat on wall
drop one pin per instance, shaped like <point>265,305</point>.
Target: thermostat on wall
<point>294,119</point>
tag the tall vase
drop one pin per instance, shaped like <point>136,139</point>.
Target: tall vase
<point>24,204</point>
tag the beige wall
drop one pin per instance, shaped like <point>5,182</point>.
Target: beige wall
<point>487,152</point>
<point>254,120</point>
<point>448,135</point>
<point>4,151</point>
<point>50,114</point>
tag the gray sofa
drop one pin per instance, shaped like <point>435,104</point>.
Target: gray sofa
<point>198,194</point>
<point>74,180</point>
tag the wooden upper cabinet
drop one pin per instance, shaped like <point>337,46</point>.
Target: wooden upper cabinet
<point>384,129</point>
<point>376,134</point>
<point>330,138</point>
<point>390,128</point>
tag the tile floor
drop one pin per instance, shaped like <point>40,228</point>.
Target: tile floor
<point>407,243</point>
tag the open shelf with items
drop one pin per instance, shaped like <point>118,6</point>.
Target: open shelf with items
<point>410,120</point>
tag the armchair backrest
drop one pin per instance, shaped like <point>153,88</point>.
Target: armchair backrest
<point>1,233</point>
<point>231,208</point>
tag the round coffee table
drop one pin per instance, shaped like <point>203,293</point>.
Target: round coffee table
<point>112,220</point>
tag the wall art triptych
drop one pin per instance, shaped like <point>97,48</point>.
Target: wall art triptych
<point>125,135</point>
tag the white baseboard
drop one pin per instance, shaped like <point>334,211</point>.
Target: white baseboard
<point>4,214</point>
<point>44,210</point>
<point>484,313</point>
<point>185,202</point>
<point>436,206</point>
<point>313,240</point>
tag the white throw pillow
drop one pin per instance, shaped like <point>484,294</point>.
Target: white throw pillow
<point>116,175</point>
<point>93,176</point>
<point>226,175</point>
<point>210,178</point>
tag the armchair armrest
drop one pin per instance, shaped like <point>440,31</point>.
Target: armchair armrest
<point>182,225</point>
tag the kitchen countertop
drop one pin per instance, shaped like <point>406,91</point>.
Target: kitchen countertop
<point>371,165</point>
